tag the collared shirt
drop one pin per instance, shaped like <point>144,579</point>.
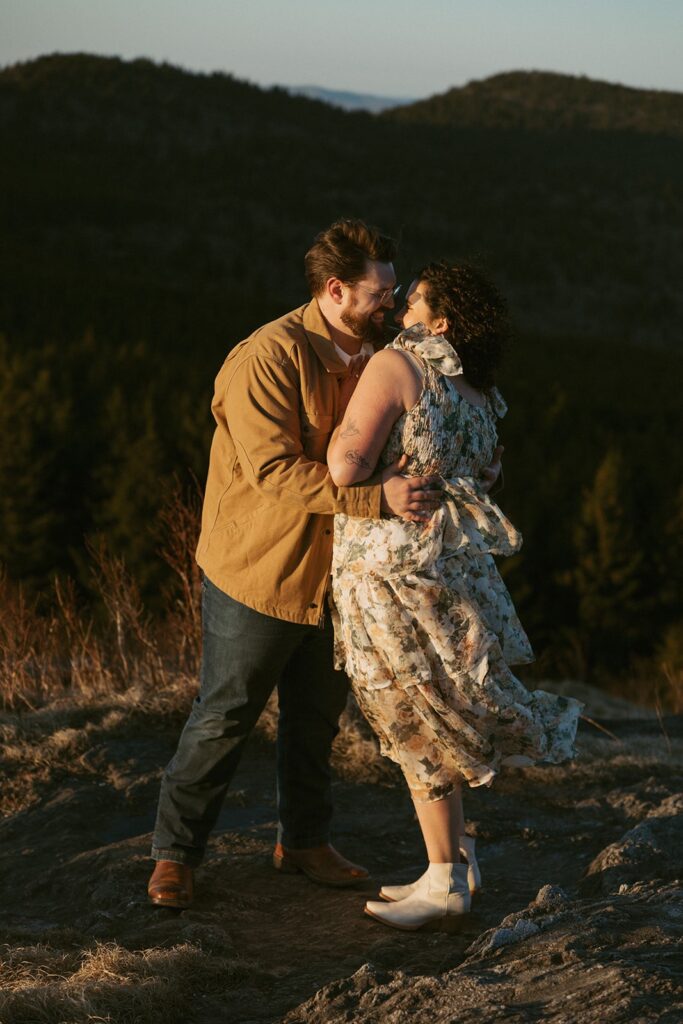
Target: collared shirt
<point>366,349</point>
<point>266,536</point>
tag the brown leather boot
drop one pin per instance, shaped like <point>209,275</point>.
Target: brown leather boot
<point>322,864</point>
<point>170,885</point>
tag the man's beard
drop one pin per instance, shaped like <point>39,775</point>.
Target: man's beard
<point>363,327</point>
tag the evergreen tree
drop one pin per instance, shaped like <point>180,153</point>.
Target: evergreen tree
<point>41,506</point>
<point>132,485</point>
<point>610,571</point>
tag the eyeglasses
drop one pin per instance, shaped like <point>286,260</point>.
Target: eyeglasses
<point>384,295</point>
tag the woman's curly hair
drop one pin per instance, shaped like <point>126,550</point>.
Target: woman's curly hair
<point>477,315</point>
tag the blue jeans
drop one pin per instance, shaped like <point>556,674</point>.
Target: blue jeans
<point>244,655</point>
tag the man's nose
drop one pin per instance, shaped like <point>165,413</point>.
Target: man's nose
<point>389,303</point>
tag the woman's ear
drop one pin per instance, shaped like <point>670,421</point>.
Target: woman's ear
<point>440,326</point>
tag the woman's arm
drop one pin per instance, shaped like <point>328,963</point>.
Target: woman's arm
<point>389,385</point>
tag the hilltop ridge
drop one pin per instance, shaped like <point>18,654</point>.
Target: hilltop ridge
<point>548,101</point>
<point>527,100</point>
<point>71,91</point>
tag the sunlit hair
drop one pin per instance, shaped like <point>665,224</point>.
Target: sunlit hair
<point>342,251</point>
<point>477,315</point>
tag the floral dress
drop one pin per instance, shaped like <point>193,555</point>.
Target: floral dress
<point>424,625</point>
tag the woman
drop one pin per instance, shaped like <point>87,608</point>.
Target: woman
<point>425,627</point>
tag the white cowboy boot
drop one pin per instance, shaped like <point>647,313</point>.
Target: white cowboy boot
<point>393,893</point>
<point>436,906</point>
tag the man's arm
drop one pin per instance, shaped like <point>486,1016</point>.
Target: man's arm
<point>262,414</point>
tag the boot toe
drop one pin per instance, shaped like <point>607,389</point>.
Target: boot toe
<point>171,885</point>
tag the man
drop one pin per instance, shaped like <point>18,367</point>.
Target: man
<point>265,549</point>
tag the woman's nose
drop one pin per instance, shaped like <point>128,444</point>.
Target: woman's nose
<point>400,313</point>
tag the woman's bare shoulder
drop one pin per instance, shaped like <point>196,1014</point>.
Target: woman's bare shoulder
<point>393,361</point>
<point>392,370</point>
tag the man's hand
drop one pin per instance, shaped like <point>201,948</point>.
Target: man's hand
<point>492,471</point>
<point>414,497</point>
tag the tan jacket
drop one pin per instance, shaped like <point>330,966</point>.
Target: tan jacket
<point>266,536</point>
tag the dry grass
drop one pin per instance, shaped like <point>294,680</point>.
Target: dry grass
<point>45,656</point>
<point>68,739</point>
<point>108,983</point>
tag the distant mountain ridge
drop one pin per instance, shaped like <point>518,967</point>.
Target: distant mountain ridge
<point>369,102</point>
<point>547,101</point>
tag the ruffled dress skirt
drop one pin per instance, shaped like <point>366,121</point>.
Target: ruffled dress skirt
<point>426,630</point>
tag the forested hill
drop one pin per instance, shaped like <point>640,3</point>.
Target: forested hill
<point>542,101</point>
<point>151,218</point>
<point>144,200</point>
<point>64,96</point>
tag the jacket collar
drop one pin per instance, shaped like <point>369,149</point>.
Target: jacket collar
<point>318,335</point>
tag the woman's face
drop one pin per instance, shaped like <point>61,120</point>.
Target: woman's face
<point>416,310</point>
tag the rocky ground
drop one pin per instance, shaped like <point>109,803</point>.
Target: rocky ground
<point>580,917</point>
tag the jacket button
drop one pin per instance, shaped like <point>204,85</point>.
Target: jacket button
<point>328,532</point>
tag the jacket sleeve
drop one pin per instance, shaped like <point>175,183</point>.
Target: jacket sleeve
<point>261,408</point>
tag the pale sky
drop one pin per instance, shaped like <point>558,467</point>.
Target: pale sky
<point>387,47</point>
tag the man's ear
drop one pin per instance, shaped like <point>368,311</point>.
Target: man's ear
<point>334,288</point>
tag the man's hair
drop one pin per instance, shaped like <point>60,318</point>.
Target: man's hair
<point>342,251</point>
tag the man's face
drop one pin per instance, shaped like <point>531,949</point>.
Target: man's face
<point>366,300</point>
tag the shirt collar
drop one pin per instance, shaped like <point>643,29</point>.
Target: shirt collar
<point>366,349</point>
<point>334,359</point>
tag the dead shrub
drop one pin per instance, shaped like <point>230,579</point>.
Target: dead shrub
<point>181,518</point>
<point>45,655</point>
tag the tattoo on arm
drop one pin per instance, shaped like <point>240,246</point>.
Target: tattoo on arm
<point>355,458</point>
<point>351,431</point>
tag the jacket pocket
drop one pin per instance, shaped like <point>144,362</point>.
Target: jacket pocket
<point>315,421</point>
